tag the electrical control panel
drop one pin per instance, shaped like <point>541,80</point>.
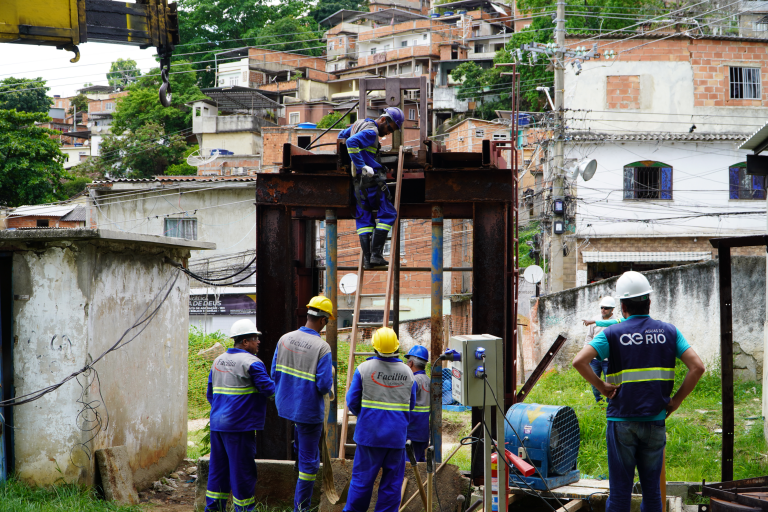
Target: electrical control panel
<point>468,384</point>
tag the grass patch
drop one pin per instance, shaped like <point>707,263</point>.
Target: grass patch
<point>343,358</point>
<point>196,449</point>
<point>199,368</point>
<point>16,496</point>
<point>693,446</point>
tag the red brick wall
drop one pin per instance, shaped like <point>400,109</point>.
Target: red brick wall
<point>710,60</point>
<point>623,91</point>
<point>308,113</point>
<point>31,222</point>
<point>275,137</point>
<point>287,59</point>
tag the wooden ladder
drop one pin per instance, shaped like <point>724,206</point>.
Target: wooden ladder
<point>358,295</point>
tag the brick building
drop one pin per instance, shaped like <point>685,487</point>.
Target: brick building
<point>70,215</point>
<point>663,122</point>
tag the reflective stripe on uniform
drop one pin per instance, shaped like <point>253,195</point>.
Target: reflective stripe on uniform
<point>217,495</point>
<point>641,375</point>
<point>385,406</point>
<point>306,476</point>
<point>421,408</point>
<point>384,227</point>
<point>295,373</point>
<point>234,391</point>
<point>370,149</point>
<point>353,150</point>
<point>363,231</point>
<point>244,503</point>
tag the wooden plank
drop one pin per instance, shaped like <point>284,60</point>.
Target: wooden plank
<point>571,506</point>
<point>395,235</point>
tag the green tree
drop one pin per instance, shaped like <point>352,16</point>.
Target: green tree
<point>213,26</point>
<point>31,164</point>
<point>25,95</point>
<point>80,101</point>
<point>183,168</point>
<point>291,34</point>
<point>328,120</point>
<point>143,153</point>
<point>141,106</point>
<point>123,72</point>
<point>74,186</point>
<point>325,8</point>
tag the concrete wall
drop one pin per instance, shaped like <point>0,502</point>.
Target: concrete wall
<point>686,296</point>
<point>83,294</point>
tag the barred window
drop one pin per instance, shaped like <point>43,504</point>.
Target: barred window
<point>744,186</point>
<point>181,228</point>
<point>647,180</point>
<point>745,83</point>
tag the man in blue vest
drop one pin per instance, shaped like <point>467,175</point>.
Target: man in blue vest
<point>303,371</point>
<point>371,193</point>
<point>238,390</point>
<point>641,356</point>
<point>382,402</point>
<point>418,428</point>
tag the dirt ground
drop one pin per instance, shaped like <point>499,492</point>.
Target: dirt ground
<point>181,499</point>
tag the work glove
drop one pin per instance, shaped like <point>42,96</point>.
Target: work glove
<point>368,171</point>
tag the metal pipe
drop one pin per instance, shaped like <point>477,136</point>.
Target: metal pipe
<point>331,330</point>
<point>436,407</point>
<point>726,360</point>
<point>331,127</point>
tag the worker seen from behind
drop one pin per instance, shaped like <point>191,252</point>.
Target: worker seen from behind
<point>369,175</point>
<point>382,394</point>
<point>418,428</point>
<point>607,305</point>
<point>303,373</point>
<point>238,389</point>
<point>641,356</point>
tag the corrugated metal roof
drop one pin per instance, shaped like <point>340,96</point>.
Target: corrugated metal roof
<point>756,139</point>
<point>656,257</point>
<point>162,179</point>
<point>76,215</point>
<point>42,210</point>
<point>654,136</point>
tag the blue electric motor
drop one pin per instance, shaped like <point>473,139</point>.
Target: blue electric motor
<point>550,435</point>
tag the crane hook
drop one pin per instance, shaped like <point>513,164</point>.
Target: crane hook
<point>165,88</point>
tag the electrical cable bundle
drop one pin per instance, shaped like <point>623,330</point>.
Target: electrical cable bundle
<point>216,281</point>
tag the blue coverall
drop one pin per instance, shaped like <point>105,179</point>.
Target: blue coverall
<point>238,390</point>
<point>380,436</point>
<point>418,427</point>
<point>303,371</point>
<point>362,149</point>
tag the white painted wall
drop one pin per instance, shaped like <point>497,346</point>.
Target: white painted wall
<point>225,212</point>
<point>73,154</point>
<point>700,186</point>
<point>233,73</point>
<point>385,44</point>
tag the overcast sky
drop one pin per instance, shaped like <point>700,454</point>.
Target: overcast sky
<point>64,78</point>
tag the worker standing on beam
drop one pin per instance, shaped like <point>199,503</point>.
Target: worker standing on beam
<point>382,402</point>
<point>303,373</point>
<point>641,356</point>
<point>238,390</point>
<point>369,176</point>
<point>418,428</point>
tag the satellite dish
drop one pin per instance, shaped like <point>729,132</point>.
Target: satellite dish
<point>348,284</point>
<point>586,168</point>
<point>533,274</point>
<point>196,158</point>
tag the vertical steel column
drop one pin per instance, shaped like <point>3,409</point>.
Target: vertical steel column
<point>726,359</point>
<point>436,403</point>
<point>331,330</point>
<point>396,276</point>
<point>488,289</point>
<point>273,280</point>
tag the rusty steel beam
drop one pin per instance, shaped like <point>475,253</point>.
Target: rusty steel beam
<point>739,241</point>
<point>726,360</point>
<point>457,160</point>
<point>289,151</point>
<point>463,186</point>
<point>323,191</point>
<point>436,330</point>
<point>273,317</point>
<point>407,211</point>
<point>541,368</point>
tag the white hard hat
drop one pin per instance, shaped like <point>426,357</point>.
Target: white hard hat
<point>243,327</point>
<point>607,302</point>
<point>632,284</point>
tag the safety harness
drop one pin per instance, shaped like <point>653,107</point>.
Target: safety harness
<point>364,182</point>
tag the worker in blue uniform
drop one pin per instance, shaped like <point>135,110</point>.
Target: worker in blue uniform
<point>369,176</point>
<point>641,356</point>
<point>382,402</point>
<point>418,427</point>
<point>238,389</point>
<point>303,373</point>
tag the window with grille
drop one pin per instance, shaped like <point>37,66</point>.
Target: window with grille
<point>181,228</point>
<point>744,186</point>
<point>373,51</point>
<point>411,114</point>
<point>745,83</point>
<point>294,118</point>
<point>403,43</point>
<point>479,133</point>
<point>479,48</point>
<point>647,180</point>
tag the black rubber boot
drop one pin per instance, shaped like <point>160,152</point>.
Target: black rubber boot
<point>365,244</point>
<point>377,247</point>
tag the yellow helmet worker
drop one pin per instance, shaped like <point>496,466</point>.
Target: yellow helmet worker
<point>385,342</point>
<point>321,306</point>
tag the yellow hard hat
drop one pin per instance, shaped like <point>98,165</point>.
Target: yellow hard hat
<point>385,341</point>
<point>321,306</point>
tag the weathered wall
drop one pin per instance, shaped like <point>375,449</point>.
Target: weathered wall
<point>686,296</point>
<point>82,297</point>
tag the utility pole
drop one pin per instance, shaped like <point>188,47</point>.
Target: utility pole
<point>558,192</point>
